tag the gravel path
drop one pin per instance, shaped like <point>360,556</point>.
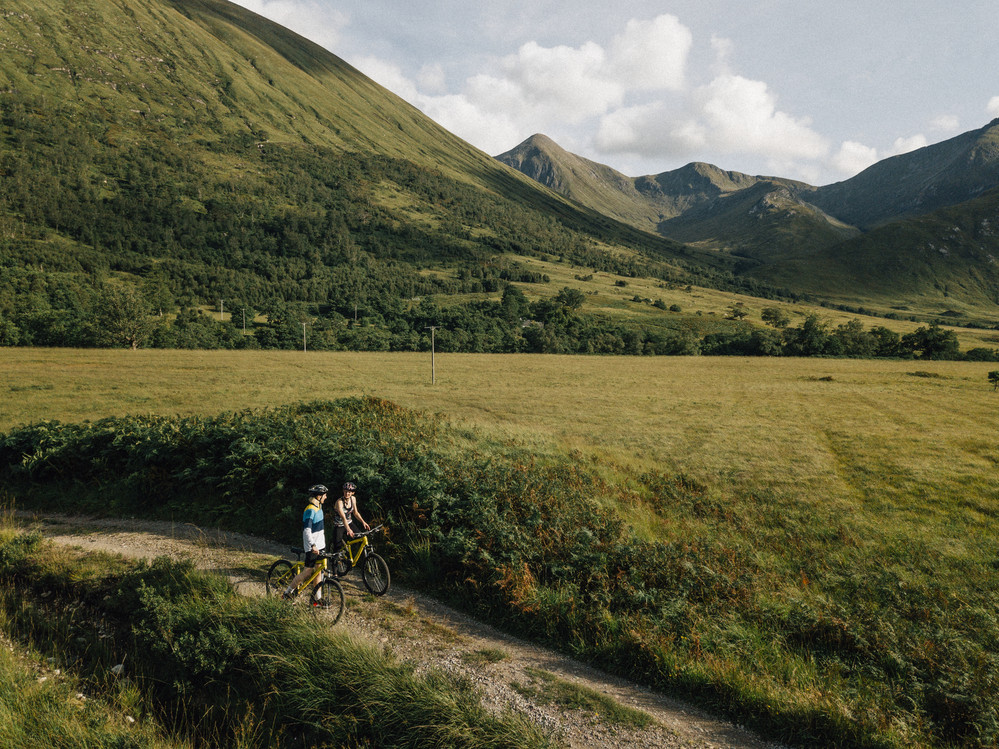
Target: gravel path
<point>419,629</point>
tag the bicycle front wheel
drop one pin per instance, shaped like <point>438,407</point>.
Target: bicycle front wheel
<point>375,574</point>
<point>279,577</point>
<point>328,600</point>
<point>342,567</point>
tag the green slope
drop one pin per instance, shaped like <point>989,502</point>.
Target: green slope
<point>918,182</point>
<point>926,216</point>
<point>195,145</point>
<point>948,258</point>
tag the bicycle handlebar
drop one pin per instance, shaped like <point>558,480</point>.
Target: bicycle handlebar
<point>299,552</point>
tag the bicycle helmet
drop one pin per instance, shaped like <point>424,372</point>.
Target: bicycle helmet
<point>349,487</point>
<point>318,489</point>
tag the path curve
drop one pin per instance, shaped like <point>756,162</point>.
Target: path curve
<point>419,629</point>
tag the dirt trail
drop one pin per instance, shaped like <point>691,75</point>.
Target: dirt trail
<point>419,629</point>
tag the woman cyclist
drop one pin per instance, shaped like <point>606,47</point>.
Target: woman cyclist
<point>345,512</point>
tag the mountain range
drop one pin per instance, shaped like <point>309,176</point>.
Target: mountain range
<point>919,223</point>
<point>201,151</point>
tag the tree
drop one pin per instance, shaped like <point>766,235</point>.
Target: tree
<point>854,341</point>
<point>808,339</point>
<point>119,317</point>
<point>932,343</point>
<point>775,317</point>
<point>571,298</point>
<point>886,341</point>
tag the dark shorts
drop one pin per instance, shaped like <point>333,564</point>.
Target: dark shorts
<point>311,559</point>
<point>340,533</point>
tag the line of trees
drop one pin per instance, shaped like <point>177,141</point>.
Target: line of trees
<point>116,315</point>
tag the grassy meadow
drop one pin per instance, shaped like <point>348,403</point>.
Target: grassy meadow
<point>837,431</point>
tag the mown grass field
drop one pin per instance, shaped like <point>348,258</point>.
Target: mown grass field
<point>835,430</point>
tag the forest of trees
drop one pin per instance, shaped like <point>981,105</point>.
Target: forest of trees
<point>35,311</point>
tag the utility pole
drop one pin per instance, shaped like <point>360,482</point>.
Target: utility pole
<point>221,309</point>
<point>303,337</point>
<point>433,355</point>
<point>244,320</point>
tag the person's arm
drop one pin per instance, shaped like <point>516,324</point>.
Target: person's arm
<point>346,520</point>
<point>357,515</point>
<point>308,540</point>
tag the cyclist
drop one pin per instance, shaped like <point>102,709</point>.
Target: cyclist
<point>313,535</point>
<point>345,512</point>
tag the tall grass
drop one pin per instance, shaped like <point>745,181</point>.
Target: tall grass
<point>231,671</point>
<point>36,714</point>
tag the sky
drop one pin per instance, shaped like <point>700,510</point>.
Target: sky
<point>808,90</point>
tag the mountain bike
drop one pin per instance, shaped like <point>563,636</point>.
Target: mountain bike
<point>360,551</point>
<point>327,593</point>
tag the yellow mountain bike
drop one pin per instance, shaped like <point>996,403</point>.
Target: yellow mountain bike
<point>327,593</point>
<point>359,551</point>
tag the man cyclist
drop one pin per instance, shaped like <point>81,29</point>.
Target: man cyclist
<point>313,536</point>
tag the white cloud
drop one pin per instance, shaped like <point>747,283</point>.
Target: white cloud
<point>493,133</point>
<point>945,124</point>
<point>853,158</point>
<point>651,54</point>
<point>557,82</point>
<point>632,94</point>
<point>742,116</point>
<point>992,110</point>
<point>730,115</point>
<point>905,145</point>
<point>539,87</point>
<point>647,130</point>
<point>432,79</point>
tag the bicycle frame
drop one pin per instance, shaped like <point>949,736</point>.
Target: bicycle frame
<point>361,543</point>
<point>320,567</point>
<point>363,546</point>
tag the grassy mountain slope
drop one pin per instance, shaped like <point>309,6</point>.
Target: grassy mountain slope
<point>927,217</point>
<point>765,221</point>
<point>646,202</point>
<point>949,257</point>
<point>200,70</point>
<point>193,146</point>
<point>918,182</point>
<point>582,180</point>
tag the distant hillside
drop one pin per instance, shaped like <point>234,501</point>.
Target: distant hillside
<point>950,255</point>
<point>204,152</point>
<point>645,202</point>
<point>918,182</point>
<point>817,240</point>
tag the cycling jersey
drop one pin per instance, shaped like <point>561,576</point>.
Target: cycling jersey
<point>312,527</point>
<point>348,510</point>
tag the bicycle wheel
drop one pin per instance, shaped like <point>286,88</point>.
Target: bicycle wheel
<point>279,577</point>
<point>342,567</point>
<point>327,599</point>
<point>375,574</point>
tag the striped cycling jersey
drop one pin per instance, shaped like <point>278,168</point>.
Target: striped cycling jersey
<point>348,510</point>
<point>312,528</point>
